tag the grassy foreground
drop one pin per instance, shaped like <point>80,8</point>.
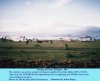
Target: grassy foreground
<point>82,52</point>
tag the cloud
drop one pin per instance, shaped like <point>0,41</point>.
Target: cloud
<point>27,3</point>
<point>59,3</point>
<point>94,15</point>
<point>47,17</point>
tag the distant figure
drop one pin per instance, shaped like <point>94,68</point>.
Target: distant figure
<point>66,46</point>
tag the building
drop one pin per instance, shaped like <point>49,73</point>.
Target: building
<point>86,38</point>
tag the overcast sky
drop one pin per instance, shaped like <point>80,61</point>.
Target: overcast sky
<point>48,16</point>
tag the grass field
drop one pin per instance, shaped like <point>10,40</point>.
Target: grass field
<point>46,51</point>
<point>21,54</point>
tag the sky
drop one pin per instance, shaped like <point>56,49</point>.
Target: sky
<point>49,17</point>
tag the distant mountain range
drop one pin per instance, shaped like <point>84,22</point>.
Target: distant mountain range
<point>90,31</point>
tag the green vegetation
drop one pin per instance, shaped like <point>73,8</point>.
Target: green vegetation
<point>58,51</point>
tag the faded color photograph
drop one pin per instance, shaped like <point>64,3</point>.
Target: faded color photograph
<point>49,33</point>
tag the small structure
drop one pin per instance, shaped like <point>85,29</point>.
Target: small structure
<point>86,38</point>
